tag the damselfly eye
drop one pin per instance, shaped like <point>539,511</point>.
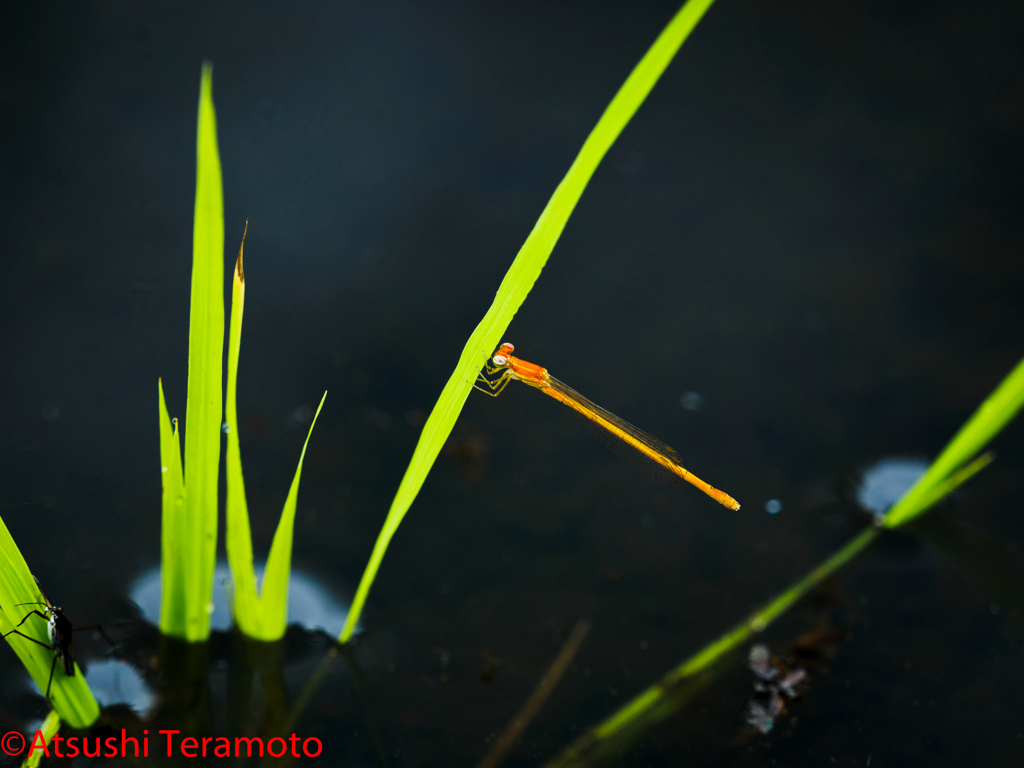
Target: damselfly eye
<point>500,360</point>
<point>509,346</point>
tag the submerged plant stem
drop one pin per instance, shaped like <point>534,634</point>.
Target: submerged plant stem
<point>540,694</point>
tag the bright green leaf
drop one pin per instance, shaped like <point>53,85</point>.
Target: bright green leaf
<point>172,571</point>
<point>238,538</point>
<point>262,615</point>
<point>70,696</point>
<point>193,543</point>
<point>519,281</point>
<point>997,410</point>
<point>49,729</point>
<point>274,596</point>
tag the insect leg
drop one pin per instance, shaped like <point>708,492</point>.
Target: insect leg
<point>52,668</point>
<point>493,388</point>
<point>37,613</point>
<point>37,642</point>
<point>504,383</point>
<point>492,391</point>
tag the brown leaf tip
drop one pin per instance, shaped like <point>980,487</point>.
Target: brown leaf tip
<point>239,272</point>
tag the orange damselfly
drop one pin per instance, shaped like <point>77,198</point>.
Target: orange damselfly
<point>650,456</point>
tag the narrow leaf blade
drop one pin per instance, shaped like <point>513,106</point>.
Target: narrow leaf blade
<point>274,596</point>
<point>205,350</point>
<point>70,696</point>
<point>48,729</point>
<point>1002,405</point>
<point>519,281</point>
<point>172,572</point>
<point>238,538</point>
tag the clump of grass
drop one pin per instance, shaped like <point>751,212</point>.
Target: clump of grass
<point>519,281</point>
<point>71,697</point>
<point>189,530</point>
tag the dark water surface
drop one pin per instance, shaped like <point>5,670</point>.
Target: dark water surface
<point>814,223</point>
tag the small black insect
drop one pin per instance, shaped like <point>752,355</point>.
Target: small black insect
<point>59,629</point>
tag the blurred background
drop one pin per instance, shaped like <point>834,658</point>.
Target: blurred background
<point>800,259</point>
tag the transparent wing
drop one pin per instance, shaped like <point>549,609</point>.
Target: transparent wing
<point>609,428</point>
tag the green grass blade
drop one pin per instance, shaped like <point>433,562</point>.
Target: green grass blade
<point>274,594</point>
<point>519,281</point>
<point>172,572</point>
<point>49,729</point>
<point>997,410</point>
<point>262,614</point>
<point>925,500</point>
<point>238,538</point>
<point>205,350</point>
<point>70,696</point>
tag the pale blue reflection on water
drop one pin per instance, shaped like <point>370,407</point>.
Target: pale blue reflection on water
<point>112,681</point>
<point>116,682</point>
<point>310,603</point>
<point>885,481</point>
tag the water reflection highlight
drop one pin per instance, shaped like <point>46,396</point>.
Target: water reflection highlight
<point>310,603</point>
<point>884,482</point>
<point>116,682</point>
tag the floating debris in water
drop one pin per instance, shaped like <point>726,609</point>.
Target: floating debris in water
<point>758,717</point>
<point>762,716</point>
<point>774,683</point>
<point>760,662</point>
<point>789,683</point>
<point>773,506</point>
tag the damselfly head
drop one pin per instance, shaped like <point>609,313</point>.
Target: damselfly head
<point>501,356</point>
